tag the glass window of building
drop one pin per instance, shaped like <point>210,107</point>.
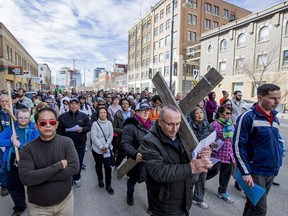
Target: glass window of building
<point>223,45</point>
<point>286,28</point>
<point>168,9</point>
<point>162,14</point>
<point>167,24</point>
<point>239,64</point>
<point>195,4</point>
<point>207,8</point>
<point>167,40</point>
<point>207,24</point>
<point>156,31</point>
<point>210,48</point>
<point>161,43</point>
<point>263,34</point>
<point>194,22</point>
<point>148,24</point>
<point>190,18</point>
<point>166,70</point>
<point>285,58</point>
<point>156,17</point>
<point>155,59</point>
<point>167,54</point>
<point>225,13</point>
<point>189,36</point>
<point>193,36</point>
<point>241,40</point>
<point>161,28</point>
<point>222,66</point>
<point>216,11</point>
<point>262,60</point>
<point>160,57</point>
<point>215,24</point>
<point>209,68</point>
<point>155,45</point>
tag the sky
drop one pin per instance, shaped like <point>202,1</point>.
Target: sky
<point>93,32</point>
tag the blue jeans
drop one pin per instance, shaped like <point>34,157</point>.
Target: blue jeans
<point>81,153</point>
<point>3,178</point>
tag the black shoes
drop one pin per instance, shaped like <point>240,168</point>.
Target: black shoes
<point>130,199</point>
<point>110,190</point>
<point>17,213</point>
<point>4,191</point>
<point>101,184</point>
<point>275,183</point>
<point>238,187</point>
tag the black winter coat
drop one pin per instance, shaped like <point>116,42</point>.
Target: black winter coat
<point>132,139</point>
<point>69,120</point>
<point>169,175</point>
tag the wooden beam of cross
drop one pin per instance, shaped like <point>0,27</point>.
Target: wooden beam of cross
<point>186,135</point>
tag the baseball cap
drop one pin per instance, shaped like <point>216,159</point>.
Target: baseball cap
<point>74,99</point>
<point>142,106</point>
<point>48,99</point>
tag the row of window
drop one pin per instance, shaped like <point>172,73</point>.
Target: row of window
<point>216,11</point>
<point>18,60</point>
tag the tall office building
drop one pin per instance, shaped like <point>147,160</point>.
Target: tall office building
<point>149,40</point>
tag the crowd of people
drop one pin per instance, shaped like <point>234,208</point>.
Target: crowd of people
<point>53,130</point>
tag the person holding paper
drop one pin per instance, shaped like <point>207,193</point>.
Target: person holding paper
<point>169,172</point>
<point>224,128</point>
<point>102,136</point>
<point>257,145</point>
<point>201,129</point>
<point>71,119</point>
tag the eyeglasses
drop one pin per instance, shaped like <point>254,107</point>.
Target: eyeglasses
<point>108,97</point>
<point>101,104</point>
<point>228,113</point>
<point>171,124</point>
<point>44,122</point>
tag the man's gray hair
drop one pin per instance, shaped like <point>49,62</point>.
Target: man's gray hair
<point>168,107</point>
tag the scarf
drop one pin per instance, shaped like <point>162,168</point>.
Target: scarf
<point>145,124</point>
<point>227,127</point>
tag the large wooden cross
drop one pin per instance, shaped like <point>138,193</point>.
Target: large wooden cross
<point>186,134</point>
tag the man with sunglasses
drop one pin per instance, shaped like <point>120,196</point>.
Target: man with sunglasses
<point>25,132</point>
<point>46,167</point>
<point>75,124</point>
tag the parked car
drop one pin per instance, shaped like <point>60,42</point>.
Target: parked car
<point>247,104</point>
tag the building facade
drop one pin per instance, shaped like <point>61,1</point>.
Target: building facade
<point>249,52</point>
<point>17,66</point>
<point>44,76</point>
<point>149,40</point>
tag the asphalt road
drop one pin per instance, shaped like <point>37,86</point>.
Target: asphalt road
<point>90,200</point>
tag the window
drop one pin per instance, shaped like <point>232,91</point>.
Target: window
<point>225,13</point>
<point>166,70</point>
<point>239,64</point>
<point>175,20</point>
<point>207,24</point>
<point>238,86</point>
<point>262,60</point>
<point>161,28</point>
<point>194,22</point>
<point>148,24</point>
<point>155,59</point>
<point>209,68</point>
<point>167,54</point>
<point>208,8</point>
<point>167,24</point>
<point>195,3</point>
<point>138,52</point>
<point>167,40</point>
<point>215,24</point>
<point>286,28</point>
<point>156,31</point>
<point>156,18</point>
<point>144,27</point>
<point>263,34</point>
<point>189,37</point>
<point>161,43</point>
<point>193,36</point>
<point>148,49</point>
<point>7,52</point>
<point>160,57</point>
<point>138,42</point>
<point>168,9</point>
<point>162,14</point>
<point>155,45</point>
<point>210,48</point>
<point>174,53</point>
<point>147,61</point>
<point>175,35</point>
<point>222,67</point>
<point>285,58</point>
<point>216,11</point>
<point>232,17</point>
<point>190,18</point>
<point>148,37</point>
<point>175,3</point>
<point>241,40</point>
<point>223,45</point>
<point>143,63</point>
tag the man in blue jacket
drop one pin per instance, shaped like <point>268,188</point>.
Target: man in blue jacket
<point>256,145</point>
<point>25,132</point>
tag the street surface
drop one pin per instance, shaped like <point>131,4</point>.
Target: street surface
<point>90,200</point>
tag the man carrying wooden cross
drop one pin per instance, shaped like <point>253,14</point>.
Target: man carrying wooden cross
<point>169,170</point>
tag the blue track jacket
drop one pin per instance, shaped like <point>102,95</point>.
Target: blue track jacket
<point>257,144</point>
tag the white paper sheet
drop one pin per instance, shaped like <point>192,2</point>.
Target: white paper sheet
<point>219,143</point>
<point>204,143</point>
<point>107,154</point>
<point>214,160</point>
<point>73,129</point>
